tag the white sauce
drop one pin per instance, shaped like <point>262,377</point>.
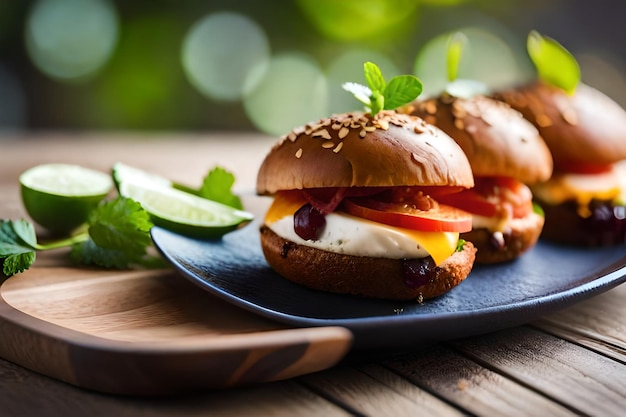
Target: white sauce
<point>355,236</point>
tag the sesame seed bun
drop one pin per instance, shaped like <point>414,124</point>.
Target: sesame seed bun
<point>356,150</point>
<point>360,275</point>
<point>585,127</point>
<point>497,140</point>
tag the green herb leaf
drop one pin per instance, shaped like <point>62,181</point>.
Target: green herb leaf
<point>554,64</point>
<point>401,90</point>
<point>379,95</point>
<point>374,77</point>
<point>217,186</point>
<point>460,244</point>
<point>456,44</point>
<point>119,233</point>
<point>16,255</point>
<point>537,209</point>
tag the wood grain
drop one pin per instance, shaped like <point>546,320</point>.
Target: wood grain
<point>520,354</point>
<point>473,386</point>
<point>149,332</point>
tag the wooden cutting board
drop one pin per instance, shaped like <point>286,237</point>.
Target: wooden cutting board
<point>148,333</point>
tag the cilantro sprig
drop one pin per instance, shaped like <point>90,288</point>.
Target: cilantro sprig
<point>117,235</point>
<point>555,65</point>
<point>379,95</point>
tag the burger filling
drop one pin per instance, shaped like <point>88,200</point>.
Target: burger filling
<point>587,206</point>
<point>386,223</point>
<point>494,202</point>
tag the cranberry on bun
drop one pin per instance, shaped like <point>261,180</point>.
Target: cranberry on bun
<point>506,152</point>
<point>356,208</point>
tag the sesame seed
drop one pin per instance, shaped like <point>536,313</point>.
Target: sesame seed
<point>458,123</point>
<point>369,128</point>
<point>430,107</point>
<point>336,126</point>
<point>570,117</point>
<point>299,153</point>
<point>338,148</point>
<point>543,120</point>
<point>292,136</point>
<point>322,133</point>
<point>327,145</point>
<point>362,133</point>
<point>343,132</point>
<point>384,124</point>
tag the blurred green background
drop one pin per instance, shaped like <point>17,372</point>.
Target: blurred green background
<point>190,65</point>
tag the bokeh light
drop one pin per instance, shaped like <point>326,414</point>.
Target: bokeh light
<point>348,67</point>
<point>487,59</point>
<point>292,92</point>
<point>71,39</point>
<point>225,54</point>
<point>350,20</point>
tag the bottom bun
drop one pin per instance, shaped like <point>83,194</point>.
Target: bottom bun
<point>605,227</point>
<point>521,235</point>
<point>394,279</point>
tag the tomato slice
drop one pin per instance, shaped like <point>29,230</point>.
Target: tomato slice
<point>583,167</point>
<point>493,197</point>
<point>441,218</point>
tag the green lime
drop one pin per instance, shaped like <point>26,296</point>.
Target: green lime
<point>184,213</point>
<point>126,173</point>
<point>59,197</point>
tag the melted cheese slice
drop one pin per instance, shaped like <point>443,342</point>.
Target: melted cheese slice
<point>582,188</point>
<point>355,236</point>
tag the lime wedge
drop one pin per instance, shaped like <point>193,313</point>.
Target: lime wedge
<point>59,197</point>
<point>184,213</point>
<point>126,173</point>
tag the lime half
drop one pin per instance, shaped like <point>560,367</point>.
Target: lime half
<point>59,197</point>
<point>184,213</point>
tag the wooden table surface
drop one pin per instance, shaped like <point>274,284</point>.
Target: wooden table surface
<point>570,363</point>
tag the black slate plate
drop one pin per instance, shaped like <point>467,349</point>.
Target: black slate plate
<point>545,279</point>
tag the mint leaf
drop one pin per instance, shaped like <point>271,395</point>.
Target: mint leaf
<point>359,91</point>
<point>456,44</point>
<point>374,77</point>
<point>217,186</point>
<point>16,255</point>
<point>554,64</point>
<point>401,90</point>
<point>379,95</point>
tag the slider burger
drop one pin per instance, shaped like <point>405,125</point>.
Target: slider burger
<point>356,207</point>
<point>585,200</point>
<point>506,152</point>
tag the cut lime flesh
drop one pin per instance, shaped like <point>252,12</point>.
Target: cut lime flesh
<point>184,213</point>
<point>126,173</point>
<point>59,197</point>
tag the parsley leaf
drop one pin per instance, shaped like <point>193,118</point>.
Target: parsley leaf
<point>217,186</point>
<point>380,95</point>
<point>17,253</point>
<point>119,232</point>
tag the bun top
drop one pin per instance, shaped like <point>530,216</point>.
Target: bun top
<point>357,150</point>
<point>586,126</point>
<point>497,140</point>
